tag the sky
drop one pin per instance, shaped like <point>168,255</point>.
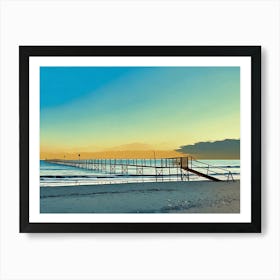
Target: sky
<point>94,109</point>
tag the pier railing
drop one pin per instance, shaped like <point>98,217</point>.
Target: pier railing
<point>179,168</point>
<point>212,170</point>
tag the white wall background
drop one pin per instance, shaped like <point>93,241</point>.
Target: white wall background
<point>139,256</point>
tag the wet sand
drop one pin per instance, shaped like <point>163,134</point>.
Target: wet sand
<point>154,197</point>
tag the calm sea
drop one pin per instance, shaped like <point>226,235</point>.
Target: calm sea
<point>60,175</point>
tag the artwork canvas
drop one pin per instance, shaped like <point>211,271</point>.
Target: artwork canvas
<point>139,139</point>
<point>136,139</point>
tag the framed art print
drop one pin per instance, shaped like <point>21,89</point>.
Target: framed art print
<point>140,138</point>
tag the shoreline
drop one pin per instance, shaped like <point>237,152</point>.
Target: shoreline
<point>148,197</point>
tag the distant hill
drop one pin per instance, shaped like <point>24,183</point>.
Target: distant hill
<point>112,154</point>
<point>224,149</point>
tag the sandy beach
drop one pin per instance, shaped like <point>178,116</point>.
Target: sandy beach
<point>163,197</point>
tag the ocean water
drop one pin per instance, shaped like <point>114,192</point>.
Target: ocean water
<point>52,175</point>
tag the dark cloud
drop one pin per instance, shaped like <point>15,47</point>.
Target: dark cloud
<point>224,149</point>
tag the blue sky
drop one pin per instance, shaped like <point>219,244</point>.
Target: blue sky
<point>164,107</point>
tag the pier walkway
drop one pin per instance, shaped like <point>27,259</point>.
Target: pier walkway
<point>179,168</point>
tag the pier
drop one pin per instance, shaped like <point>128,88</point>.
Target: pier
<point>163,169</point>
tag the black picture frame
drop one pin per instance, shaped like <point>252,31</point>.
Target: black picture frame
<point>25,52</point>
